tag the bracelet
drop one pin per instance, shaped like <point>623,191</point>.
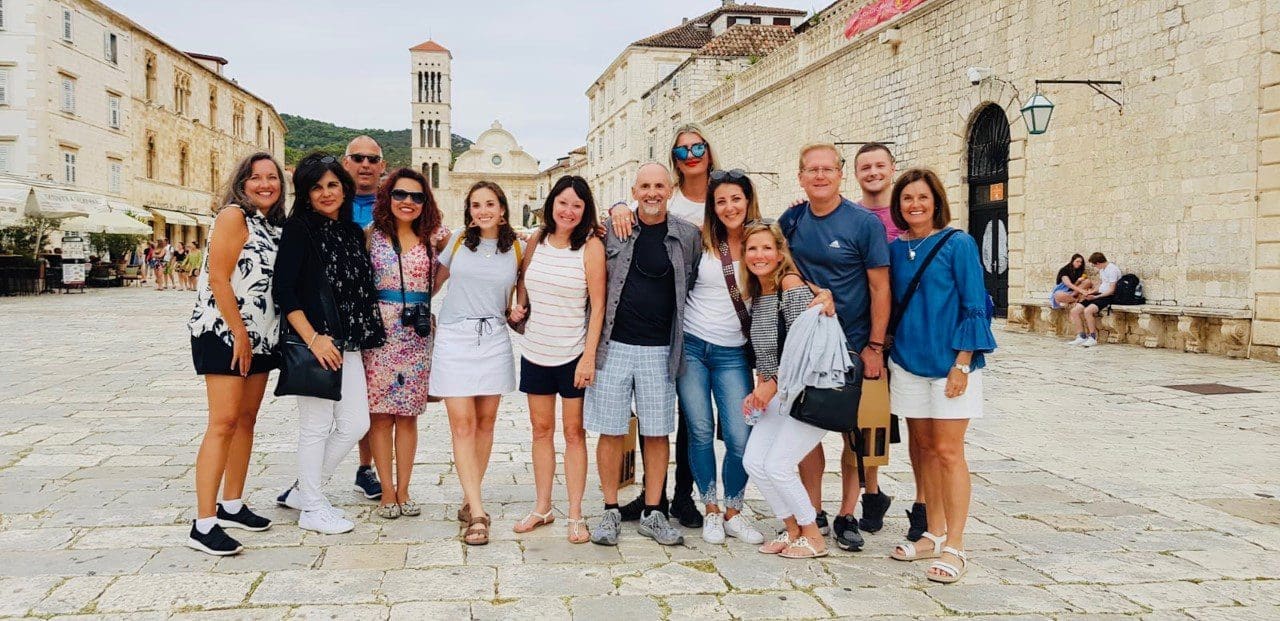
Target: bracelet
<point>313,340</point>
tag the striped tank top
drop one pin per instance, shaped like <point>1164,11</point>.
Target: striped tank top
<point>556,282</point>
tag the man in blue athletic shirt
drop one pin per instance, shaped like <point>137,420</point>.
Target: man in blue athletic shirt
<point>841,247</point>
<point>364,163</point>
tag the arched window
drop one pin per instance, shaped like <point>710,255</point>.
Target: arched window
<point>183,160</point>
<point>435,176</point>
<point>151,156</point>
<point>422,133</point>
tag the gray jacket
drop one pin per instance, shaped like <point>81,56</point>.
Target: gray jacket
<point>684,243</point>
<point>815,354</point>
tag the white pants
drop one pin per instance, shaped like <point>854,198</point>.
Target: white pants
<point>772,458</point>
<point>328,429</point>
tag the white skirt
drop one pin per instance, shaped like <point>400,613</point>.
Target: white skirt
<point>472,358</point>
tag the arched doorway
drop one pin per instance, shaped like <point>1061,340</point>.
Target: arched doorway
<point>988,202</point>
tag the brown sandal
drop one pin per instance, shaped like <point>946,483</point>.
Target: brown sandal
<point>477,533</point>
<point>464,514</point>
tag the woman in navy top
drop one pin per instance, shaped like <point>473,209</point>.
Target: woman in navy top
<point>936,360</point>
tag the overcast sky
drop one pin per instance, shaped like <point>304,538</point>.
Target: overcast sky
<point>526,63</point>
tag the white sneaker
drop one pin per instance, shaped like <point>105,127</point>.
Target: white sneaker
<point>324,521</point>
<point>713,528</point>
<point>738,526</point>
<point>1080,339</point>
<point>1089,342</point>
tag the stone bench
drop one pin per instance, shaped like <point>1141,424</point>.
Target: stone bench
<point>1220,331</point>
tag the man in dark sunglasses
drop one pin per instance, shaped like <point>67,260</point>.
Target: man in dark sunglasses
<point>363,161</point>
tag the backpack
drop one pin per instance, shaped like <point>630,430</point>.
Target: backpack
<point>1128,291</point>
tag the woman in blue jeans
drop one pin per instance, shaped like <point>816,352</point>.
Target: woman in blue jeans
<point>716,324</point>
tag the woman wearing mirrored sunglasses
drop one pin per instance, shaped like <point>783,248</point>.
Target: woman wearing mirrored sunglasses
<point>717,371</point>
<point>398,373</point>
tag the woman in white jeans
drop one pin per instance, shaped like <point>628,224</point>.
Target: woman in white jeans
<point>324,286</point>
<point>778,442</point>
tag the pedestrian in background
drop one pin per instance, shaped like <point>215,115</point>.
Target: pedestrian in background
<point>937,359</point>
<point>234,329</point>
<point>398,373</point>
<point>321,249</point>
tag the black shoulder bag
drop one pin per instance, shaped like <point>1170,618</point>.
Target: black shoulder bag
<point>301,373</point>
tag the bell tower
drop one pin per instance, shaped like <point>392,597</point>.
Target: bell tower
<point>430,83</point>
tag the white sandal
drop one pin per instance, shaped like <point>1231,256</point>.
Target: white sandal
<point>802,548</point>
<point>534,520</point>
<point>951,572</point>
<point>908,552</point>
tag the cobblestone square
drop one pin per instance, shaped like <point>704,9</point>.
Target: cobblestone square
<point>1099,493</point>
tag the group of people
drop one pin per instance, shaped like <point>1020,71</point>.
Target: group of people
<point>683,309</point>
<point>1084,296</point>
<point>173,266</point>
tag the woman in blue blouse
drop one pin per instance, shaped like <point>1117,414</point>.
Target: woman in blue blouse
<point>936,360</point>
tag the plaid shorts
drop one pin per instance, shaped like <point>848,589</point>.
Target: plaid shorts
<point>631,372</point>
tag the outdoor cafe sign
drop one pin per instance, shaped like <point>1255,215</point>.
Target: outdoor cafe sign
<point>876,13</point>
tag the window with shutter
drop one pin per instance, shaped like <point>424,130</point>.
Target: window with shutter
<point>4,87</point>
<point>113,111</point>
<point>68,94</point>
<point>66,25</point>
<point>6,156</point>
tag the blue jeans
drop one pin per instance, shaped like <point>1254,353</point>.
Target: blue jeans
<point>722,373</point>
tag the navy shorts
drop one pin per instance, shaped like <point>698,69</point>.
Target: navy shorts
<point>536,379</point>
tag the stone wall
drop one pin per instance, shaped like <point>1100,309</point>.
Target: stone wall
<point>1167,188</point>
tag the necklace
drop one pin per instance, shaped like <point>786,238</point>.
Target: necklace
<point>911,250</point>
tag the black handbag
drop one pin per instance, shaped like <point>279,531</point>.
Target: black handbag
<point>301,373</point>
<point>832,409</point>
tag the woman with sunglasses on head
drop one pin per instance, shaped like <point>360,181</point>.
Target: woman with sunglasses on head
<point>323,269</point>
<point>234,329</point>
<point>562,290</point>
<point>398,373</point>
<point>716,327</point>
<point>473,359</point>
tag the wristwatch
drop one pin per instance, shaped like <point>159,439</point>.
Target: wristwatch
<point>964,368</point>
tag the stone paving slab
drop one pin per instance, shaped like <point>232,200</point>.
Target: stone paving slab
<point>1091,501</point>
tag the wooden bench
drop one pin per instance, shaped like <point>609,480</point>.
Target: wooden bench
<point>1221,331</point>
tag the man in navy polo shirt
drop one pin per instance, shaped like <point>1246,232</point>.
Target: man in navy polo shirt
<point>841,247</point>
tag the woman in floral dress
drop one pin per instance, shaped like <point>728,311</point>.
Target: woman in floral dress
<point>404,216</point>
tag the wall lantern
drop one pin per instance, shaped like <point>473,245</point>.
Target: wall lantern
<point>1038,110</point>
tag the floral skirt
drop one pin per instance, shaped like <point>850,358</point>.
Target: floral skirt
<point>399,372</point>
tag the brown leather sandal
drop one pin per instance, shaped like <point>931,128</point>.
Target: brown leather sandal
<point>464,514</point>
<point>477,533</point>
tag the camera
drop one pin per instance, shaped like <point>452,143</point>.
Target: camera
<point>977,74</point>
<point>417,317</point>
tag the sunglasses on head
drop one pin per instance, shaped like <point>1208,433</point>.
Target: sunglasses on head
<point>697,149</point>
<point>401,195</point>
<point>762,222</point>
<point>361,158</point>
<point>320,159</point>
<point>736,174</point>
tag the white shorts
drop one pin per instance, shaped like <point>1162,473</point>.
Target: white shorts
<point>912,396</point>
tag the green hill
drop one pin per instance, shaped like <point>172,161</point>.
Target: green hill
<point>305,135</point>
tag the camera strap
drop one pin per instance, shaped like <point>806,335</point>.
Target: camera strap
<point>395,245</point>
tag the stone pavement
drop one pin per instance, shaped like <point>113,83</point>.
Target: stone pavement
<point>1098,494</point>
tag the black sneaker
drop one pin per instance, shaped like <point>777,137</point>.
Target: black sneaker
<point>847,535</point>
<point>874,506</point>
<point>919,522</point>
<point>245,519</point>
<point>821,521</point>
<point>631,511</point>
<point>687,512</point>
<point>216,542</point>
<point>367,483</point>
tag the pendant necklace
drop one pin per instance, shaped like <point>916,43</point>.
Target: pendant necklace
<point>911,250</point>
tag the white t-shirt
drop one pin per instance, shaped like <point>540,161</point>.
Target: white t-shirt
<point>1109,275</point>
<point>708,311</point>
<point>681,207</point>
<point>480,280</point>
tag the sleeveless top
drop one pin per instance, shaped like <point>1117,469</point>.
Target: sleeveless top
<point>386,270</point>
<point>251,283</point>
<point>556,282</point>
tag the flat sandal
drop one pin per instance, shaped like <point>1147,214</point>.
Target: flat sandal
<point>410,508</point>
<point>477,533</point>
<point>528,524</point>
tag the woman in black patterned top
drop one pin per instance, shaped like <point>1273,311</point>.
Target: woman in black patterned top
<point>321,249</point>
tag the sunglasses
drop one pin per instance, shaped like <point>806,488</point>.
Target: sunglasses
<point>361,158</point>
<point>697,149</point>
<point>736,174</point>
<point>402,195</point>
<point>760,222</point>
<point>320,159</point>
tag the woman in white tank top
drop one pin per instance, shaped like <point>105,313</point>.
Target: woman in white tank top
<point>564,278</point>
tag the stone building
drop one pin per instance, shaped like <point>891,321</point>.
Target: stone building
<point>432,122</point>
<point>618,137</point>
<point>494,156</point>
<point>1180,186</point>
<point>94,104</point>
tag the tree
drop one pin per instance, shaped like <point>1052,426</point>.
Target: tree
<point>117,245</point>
<point>25,239</point>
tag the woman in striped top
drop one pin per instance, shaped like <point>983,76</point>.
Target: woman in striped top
<point>564,281</point>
